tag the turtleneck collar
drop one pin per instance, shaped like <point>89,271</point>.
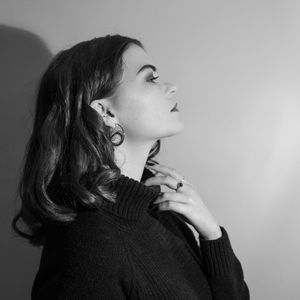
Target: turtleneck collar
<point>133,197</point>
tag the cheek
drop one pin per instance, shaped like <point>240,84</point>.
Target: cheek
<point>143,115</point>
<point>141,104</point>
<point>143,112</point>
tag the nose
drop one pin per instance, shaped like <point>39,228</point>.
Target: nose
<point>171,89</point>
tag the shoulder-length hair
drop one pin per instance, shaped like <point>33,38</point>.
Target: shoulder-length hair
<point>69,158</point>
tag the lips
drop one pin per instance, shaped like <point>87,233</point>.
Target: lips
<point>174,107</point>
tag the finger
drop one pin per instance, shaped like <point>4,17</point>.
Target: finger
<point>171,196</point>
<point>167,181</point>
<point>174,206</point>
<point>166,170</point>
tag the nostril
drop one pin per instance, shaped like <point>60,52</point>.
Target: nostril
<point>172,90</point>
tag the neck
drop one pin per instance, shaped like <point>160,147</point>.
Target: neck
<point>131,158</point>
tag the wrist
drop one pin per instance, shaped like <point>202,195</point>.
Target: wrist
<point>214,235</point>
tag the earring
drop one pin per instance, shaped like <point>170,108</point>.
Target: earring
<point>118,131</point>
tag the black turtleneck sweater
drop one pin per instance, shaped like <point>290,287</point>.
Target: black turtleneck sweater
<point>127,250</point>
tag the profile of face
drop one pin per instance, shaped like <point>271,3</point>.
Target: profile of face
<point>142,104</point>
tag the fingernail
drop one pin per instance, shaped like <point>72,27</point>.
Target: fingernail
<point>154,171</point>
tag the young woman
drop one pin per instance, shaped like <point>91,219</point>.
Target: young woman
<point>91,191</point>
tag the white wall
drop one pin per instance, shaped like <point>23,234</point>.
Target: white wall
<point>236,67</point>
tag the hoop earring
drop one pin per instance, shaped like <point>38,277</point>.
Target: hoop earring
<point>119,131</point>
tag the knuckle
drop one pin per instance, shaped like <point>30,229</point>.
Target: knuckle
<point>189,199</point>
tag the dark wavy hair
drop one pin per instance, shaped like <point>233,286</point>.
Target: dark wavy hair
<point>69,158</point>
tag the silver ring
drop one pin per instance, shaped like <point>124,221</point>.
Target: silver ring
<point>179,184</point>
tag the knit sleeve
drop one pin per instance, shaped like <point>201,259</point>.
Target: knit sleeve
<point>223,269</point>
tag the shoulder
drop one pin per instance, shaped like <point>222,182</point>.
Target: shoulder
<point>88,234</point>
<point>90,258</point>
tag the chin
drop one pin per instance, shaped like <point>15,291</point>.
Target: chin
<point>175,129</point>
<point>179,125</point>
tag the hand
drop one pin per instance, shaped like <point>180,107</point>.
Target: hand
<point>185,201</point>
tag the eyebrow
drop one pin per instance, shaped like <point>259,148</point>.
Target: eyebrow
<point>146,67</point>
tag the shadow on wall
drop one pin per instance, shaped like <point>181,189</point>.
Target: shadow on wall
<point>23,58</point>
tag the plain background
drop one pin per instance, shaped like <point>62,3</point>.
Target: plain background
<point>236,67</point>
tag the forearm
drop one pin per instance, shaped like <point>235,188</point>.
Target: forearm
<point>223,269</point>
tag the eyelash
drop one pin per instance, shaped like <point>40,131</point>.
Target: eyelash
<point>154,78</point>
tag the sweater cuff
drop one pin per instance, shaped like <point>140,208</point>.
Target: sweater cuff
<point>217,255</point>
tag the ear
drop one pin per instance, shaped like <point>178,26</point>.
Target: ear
<point>104,108</point>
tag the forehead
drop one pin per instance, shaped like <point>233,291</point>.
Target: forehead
<point>133,59</point>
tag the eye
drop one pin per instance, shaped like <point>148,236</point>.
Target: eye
<point>154,78</point>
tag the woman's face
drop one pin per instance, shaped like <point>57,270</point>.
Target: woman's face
<point>141,103</point>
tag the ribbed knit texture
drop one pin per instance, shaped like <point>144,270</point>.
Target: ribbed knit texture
<point>129,250</point>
